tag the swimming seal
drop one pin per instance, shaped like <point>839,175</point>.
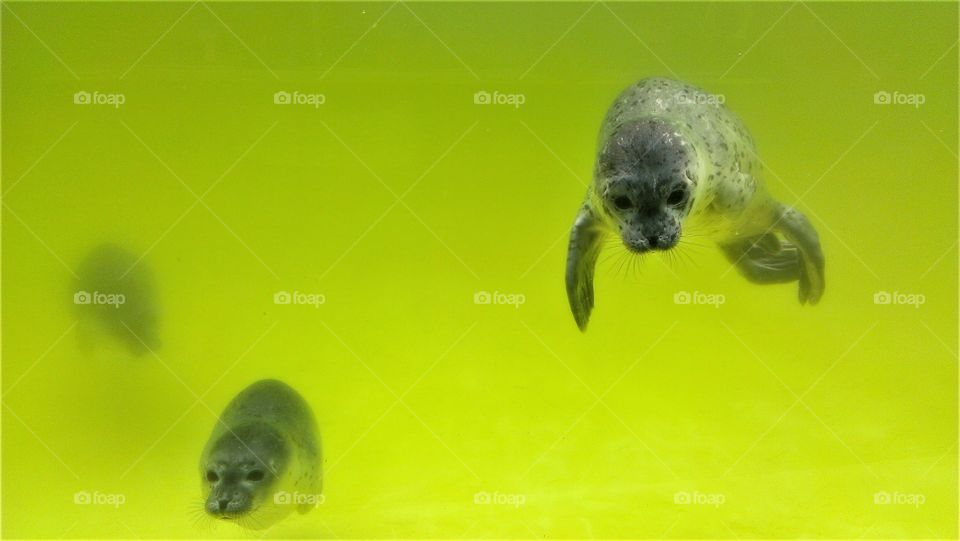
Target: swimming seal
<point>116,290</point>
<point>263,459</point>
<point>671,156</point>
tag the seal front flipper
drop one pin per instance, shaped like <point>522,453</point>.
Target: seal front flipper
<point>764,259</point>
<point>585,243</point>
<point>798,230</point>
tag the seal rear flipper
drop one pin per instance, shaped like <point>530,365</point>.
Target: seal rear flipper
<point>585,243</point>
<point>798,230</point>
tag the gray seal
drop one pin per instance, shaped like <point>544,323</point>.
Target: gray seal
<point>116,290</point>
<point>671,157</point>
<point>263,459</point>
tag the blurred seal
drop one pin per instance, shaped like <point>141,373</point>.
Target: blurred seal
<point>115,290</point>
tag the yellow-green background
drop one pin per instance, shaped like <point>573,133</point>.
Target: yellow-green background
<point>597,431</point>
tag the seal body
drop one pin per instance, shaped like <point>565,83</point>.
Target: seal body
<point>263,459</point>
<point>672,158</point>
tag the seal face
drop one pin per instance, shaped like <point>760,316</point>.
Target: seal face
<point>238,477</point>
<point>263,459</point>
<point>670,156</point>
<point>644,178</point>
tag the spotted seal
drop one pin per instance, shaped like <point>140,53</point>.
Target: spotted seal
<point>263,459</point>
<point>117,292</point>
<point>671,157</point>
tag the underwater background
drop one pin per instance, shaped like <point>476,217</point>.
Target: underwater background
<point>411,188</point>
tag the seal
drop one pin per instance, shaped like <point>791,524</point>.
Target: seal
<point>672,158</point>
<point>263,458</point>
<point>116,290</point>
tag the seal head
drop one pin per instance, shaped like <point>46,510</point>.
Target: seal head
<point>241,468</point>
<point>645,180</point>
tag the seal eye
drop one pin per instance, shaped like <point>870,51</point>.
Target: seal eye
<point>212,476</point>
<point>622,202</point>
<point>676,197</point>
<point>255,475</point>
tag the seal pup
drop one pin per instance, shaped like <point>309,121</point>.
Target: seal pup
<point>263,459</point>
<point>116,291</point>
<point>672,157</point>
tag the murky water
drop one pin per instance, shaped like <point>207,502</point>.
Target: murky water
<point>393,167</point>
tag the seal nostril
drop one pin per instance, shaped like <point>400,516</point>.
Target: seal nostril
<point>653,241</point>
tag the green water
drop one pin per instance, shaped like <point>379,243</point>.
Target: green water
<point>398,199</point>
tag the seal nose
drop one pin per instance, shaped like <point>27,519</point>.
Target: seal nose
<point>653,241</point>
<point>223,504</point>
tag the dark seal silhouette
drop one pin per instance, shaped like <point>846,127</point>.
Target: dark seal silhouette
<point>116,292</point>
